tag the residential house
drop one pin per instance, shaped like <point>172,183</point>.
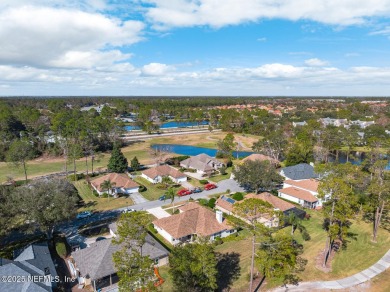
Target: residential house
<point>261,157</point>
<point>333,122</point>
<point>299,172</point>
<point>361,124</point>
<point>225,204</point>
<point>193,221</point>
<point>122,184</point>
<point>156,174</point>
<point>34,262</point>
<point>303,192</point>
<point>93,266</point>
<point>203,163</point>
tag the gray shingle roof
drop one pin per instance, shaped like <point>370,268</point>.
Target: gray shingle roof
<point>96,260</point>
<point>32,261</point>
<point>202,162</point>
<point>299,171</point>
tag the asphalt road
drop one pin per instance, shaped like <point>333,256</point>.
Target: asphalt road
<point>70,228</point>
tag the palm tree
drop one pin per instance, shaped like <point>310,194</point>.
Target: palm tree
<point>107,185</point>
<point>170,194</point>
<point>296,223</point>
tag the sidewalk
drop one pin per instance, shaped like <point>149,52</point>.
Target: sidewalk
<point>359,278</point>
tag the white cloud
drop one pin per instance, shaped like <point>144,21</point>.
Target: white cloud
<point>163,79</point>
<point>43,36</point>
<point>183,13</point>
<point>156,69</point>
<point>263,39</point>
<point>315,62</point>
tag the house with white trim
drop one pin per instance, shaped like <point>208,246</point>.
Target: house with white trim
<point>156,174</point>
<point>303,192</point>
<point>202,163</point>
<point>193,221</point>
<point>121,184</point>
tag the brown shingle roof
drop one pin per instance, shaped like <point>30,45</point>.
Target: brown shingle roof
<point>273,200</point>
<point>260,157</point>
<point>194,219</point>
<point>163,170</point>
<point>307,184</point>
<point>120,180</point>
<point>224,204</point>
<point>300,194</point>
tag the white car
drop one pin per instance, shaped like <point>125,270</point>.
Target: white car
<point>128,210</point>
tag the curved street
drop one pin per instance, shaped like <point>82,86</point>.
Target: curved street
<point>379,267</point>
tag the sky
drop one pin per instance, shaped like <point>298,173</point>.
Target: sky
<point>195,47</point>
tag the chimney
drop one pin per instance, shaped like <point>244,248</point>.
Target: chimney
<point>218,215</point>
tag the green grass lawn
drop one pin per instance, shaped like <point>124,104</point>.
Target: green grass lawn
<point>359,255</point>
<point>219,177</point>
<point>152,193</point>
<point>93,203</point>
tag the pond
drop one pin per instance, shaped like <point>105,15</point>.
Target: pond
<point>194,150</point>
<point>172,124</point>
<point>354,157</point>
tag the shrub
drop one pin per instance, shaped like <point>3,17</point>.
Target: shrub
<point>177,211</point>
<point>95,193</point>
<point>61,249</point>
<point>203,202</point>
<point>142,188</point>
<point>162,186</point>
<point>204,181</point>
<point>104,195</point>
<point>151,228</point>
<point>229,163</point>
<point>218,241</point>
<point>222,170</point>
<point>305,235</point>
<point>238,196</point>
<point>78,176</point>
<point>211,203</point>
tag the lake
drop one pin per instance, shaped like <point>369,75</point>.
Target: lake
<point>171,124</point>
<point>194,150</point>
<point>354,157</point>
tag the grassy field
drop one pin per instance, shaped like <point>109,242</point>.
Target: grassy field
<point>93,203</point>
<point>359,255</point>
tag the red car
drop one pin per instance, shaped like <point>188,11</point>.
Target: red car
<point>184,192</point>
<point>208,187</point>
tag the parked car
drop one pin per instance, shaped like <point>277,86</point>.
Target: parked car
<point>208,187</point>
<point>197,190</point>
<point>128,210</point>
<point>162,198</point>
<point>184,192</point>
<point>84,214</point>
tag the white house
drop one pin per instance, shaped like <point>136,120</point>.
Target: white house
<point>156,174</point>
<point>193,221</point>
<point>121,184</point>
<point>303,192</point>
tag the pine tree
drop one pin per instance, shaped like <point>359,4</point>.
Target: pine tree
<point>135,163</point>
<point>118,162</point>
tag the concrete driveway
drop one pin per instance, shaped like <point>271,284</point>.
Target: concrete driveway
<point>158,212</point>
<point>138,198</point>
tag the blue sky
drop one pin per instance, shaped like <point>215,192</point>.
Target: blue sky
<point>195,47</point>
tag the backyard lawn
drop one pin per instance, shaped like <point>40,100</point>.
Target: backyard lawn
<point>93,203</point>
